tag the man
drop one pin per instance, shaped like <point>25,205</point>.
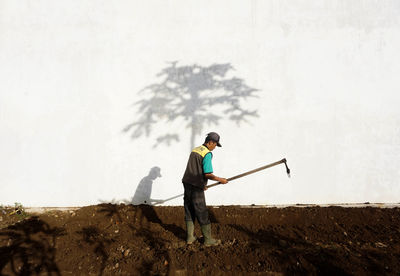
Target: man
<point>198,171</point>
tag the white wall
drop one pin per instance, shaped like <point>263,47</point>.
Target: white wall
<point>328,100</point>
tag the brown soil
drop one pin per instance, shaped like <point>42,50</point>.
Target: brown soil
<point>112,239</point>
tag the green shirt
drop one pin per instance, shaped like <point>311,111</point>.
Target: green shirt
<point>207,166</point>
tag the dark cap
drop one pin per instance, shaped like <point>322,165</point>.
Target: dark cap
<point>213,136</point>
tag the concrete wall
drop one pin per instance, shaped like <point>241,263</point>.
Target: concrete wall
<point>101,101</point>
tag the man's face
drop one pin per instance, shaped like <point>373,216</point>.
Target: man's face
<point>211,145</point>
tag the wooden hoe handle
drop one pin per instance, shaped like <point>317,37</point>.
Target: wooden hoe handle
<point>254,171</point>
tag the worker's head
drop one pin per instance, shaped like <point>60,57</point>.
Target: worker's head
<point>212,140</point>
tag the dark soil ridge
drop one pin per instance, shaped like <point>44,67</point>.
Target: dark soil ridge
<point>110,239</point>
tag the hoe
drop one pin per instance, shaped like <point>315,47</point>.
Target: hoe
<point>254,171</point>
<point>244,174</point>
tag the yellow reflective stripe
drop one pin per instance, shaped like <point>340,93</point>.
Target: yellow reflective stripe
<point>202,150</point>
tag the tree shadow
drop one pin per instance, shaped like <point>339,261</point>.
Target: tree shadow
<point>160,248</point>
<point>96,238</point>
<point>110,210</point>
<point>193,94</point>
<point>143,216</point>
<point>317,260</point>
<point>31,248</point>
<point>141,226</point>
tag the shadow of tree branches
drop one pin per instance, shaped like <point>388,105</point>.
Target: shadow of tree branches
<point>318,260</point>
<point>193,94</point>
<point>31,248</point>
<point>140,225</point>
<point>96,238</point>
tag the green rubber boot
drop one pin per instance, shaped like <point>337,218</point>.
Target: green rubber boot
<point>208,240</point>
<point>190,238</point>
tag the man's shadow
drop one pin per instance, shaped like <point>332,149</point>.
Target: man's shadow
<point>143,191</point>
<point>142,198</point>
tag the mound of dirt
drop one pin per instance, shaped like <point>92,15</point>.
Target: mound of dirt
<point>112,239</point>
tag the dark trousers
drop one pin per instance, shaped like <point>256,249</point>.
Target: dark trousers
<point>194,202</point>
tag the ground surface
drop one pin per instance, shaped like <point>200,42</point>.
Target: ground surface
<point>112,239</point>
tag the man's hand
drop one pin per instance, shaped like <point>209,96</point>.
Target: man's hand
<point>216,178</point>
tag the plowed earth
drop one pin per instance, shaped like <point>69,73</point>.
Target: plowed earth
<point>112,239</point>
